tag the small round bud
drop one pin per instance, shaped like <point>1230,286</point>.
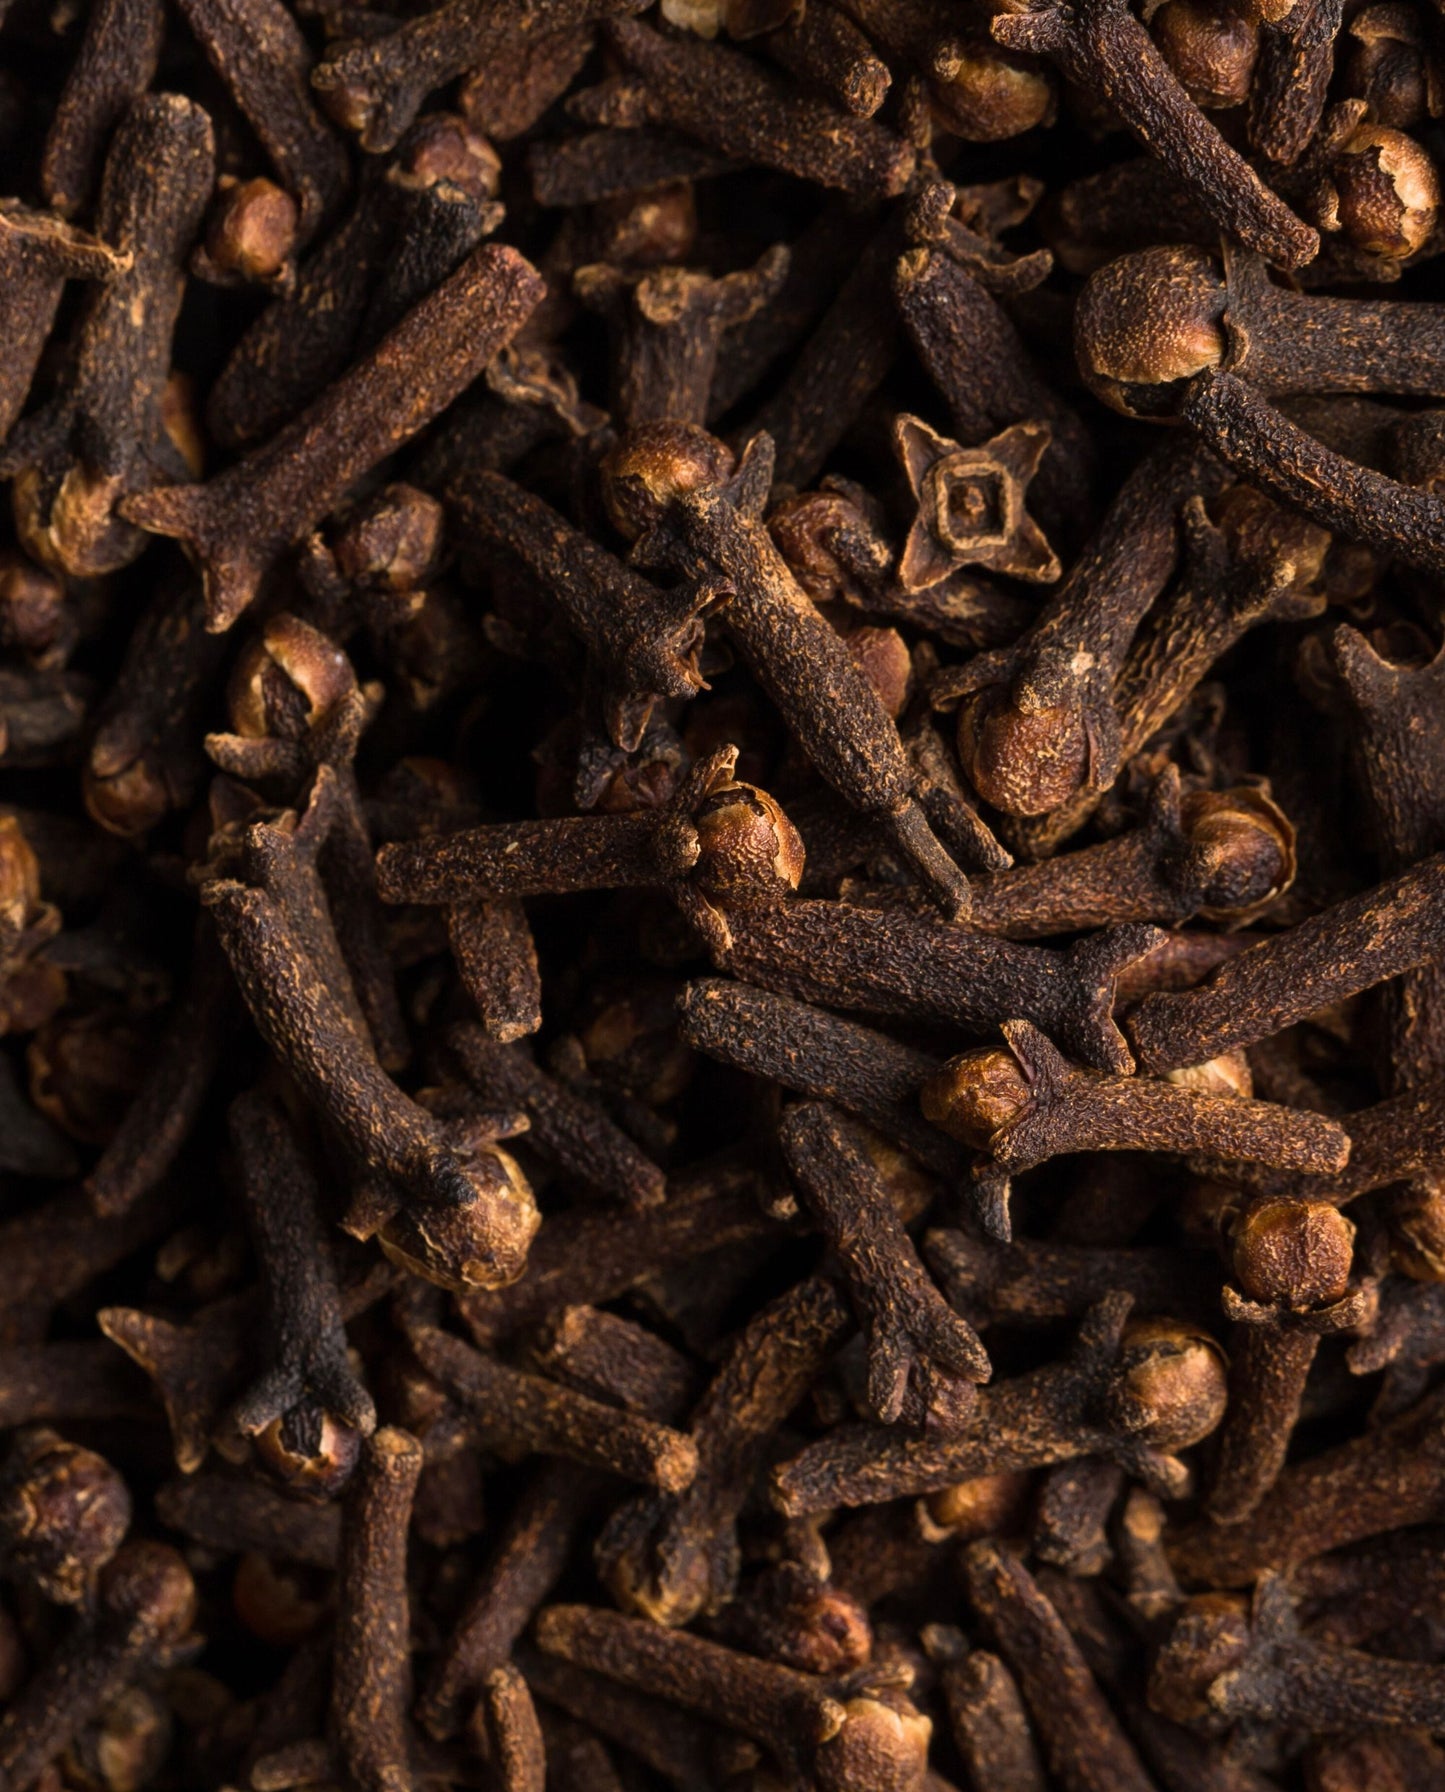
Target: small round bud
<point>281,1603</point>
<point>881,1745</point>
<point>982,94</point>
<point>125,1748</point>
<point>1385,64</point>
<point>444,147</point>
<point>1378,1761</point>
<point>655,463</point>
<point>251,233</point>
<point>815,531</point>
<point>1416,1221</point>
<point>34,616</point>
<point>1382,193</point>
<point>1292,1253</point>
<point>643,230</point>
<point>1209,1637</point>
<point>64,1511</point>
<point>85,1069</point>
<point>150,1583</point>
<point>1227,1076</point>
<point>883,658</point>
<point>976,1094</point>
<point>313,1459</point>
<point>1210,47</point>
<point>748,850</point>
<point>1147,322</point>
<point>1024,762</point>
<point>480,1240</point>
<point>1240,851</point>
<point>987,1506</point>
<point>1170,1388</point>
<point>285,680</point>
<point>393,542</point>
<point>19,877</point>
<point>798,1617</point>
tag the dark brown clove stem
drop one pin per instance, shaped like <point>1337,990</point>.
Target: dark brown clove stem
<point>1103,47</point>
<point>1350,947</point>
<point>371,1660</point>
<point>238,524</point>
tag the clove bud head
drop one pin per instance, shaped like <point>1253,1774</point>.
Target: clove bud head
<point>1416,1221</point>
<point>480,1240</point>
<point>656,463</point>
<point>1382,192</point>
<point>315,1461</point>
<point>150,1585</point>
<point>19,877</point>
<point>1170,1387</point>
<point>251,233</point>
<point>1292,1253</point>
<point>984,1506</point>
<point>64,1511</point>
<point>882,1747</point>
<point>1024,761</point>
<point>1240,852</point>
<point>393,542</point>
<point>34,614</point>
<point>982,94</point>
<point>285,679</point>
<point>976,1094</point>
<point>1211,47</point>
<point>1146,323</point>
<point>1209,1637</point>
<point>748,850</point>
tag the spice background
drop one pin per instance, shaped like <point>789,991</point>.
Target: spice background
<point>722,896</point>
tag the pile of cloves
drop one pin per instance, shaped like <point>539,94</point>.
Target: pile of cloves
<point>722,896</point>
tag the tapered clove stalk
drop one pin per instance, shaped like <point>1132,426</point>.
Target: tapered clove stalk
<point>671,1558</point>
<point>1292,1260</point>
<point>38,254</point>
<point>1132,1393</point>
<point>1250,435</point>
<point>371,1668</point>
<point>1103,47</point>
<point>795,1716</point>
<point>112,429</point>
<point>1351,947</point>
<point>921,1355</point>
<point>1260,1665</point>
<point>1226,855</point>
<point>144,1611</point>
<point>1148,323</point>
<point>520,1412</point>
<point>1026,1104</point>
<point>1081,1736</point>
<point>1037,723</point>
<point>644,641</point>
<point>464,1212</point>
<point>864,1072</point>
<point>64,1511</point>
<point>376,88</point>
<point>308,1411</point>
<point>730,103</point>
<point>238,524</point>
<point>709,532</point>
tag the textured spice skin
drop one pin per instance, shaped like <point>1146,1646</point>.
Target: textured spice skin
<point>1105,48</point>
<point>721,769</point>
<point>1359,943</point>
<point>238,523</point>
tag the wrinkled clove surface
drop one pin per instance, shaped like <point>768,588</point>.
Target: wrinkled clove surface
<point>722,896</point>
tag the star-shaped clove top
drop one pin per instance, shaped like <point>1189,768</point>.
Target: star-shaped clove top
<point>971,504</point>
